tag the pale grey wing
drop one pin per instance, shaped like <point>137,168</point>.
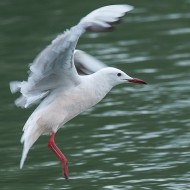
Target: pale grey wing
<point>54,66</point>
<point>86,64</point>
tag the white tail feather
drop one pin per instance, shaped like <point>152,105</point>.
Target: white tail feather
<point>31,133</point>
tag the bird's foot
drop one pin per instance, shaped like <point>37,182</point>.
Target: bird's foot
<point>65,169</point>
<point>60,155</point>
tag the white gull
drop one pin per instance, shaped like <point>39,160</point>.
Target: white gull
<point>63,93</point>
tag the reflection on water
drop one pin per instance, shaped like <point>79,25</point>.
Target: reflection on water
<point>138,136</point>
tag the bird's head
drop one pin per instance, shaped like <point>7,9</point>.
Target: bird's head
<point>115,76</point>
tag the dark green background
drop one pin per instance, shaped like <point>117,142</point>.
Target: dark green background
<point>138,136</point>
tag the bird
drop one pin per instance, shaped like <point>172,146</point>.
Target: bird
<point>59,90</point>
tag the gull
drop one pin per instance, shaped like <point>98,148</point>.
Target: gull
<point>56,86</point>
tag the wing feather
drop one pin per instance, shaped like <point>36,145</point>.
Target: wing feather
<point>54,66</point>
<point>86,64</point>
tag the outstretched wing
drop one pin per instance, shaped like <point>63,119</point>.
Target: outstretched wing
<point>54,66</point>
<point>86,64</point>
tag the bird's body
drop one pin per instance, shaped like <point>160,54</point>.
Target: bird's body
<point>60,105</point>
<point>62,91</point>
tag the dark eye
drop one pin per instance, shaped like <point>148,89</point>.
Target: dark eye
<point>118,74</point>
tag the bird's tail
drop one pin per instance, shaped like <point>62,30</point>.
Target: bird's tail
<point>31,133</point>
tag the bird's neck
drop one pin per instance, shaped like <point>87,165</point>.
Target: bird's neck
<point>98,84</point>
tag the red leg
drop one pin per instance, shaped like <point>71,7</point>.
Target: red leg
<point>60,155</point>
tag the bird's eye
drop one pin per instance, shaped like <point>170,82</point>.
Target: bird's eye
<point>118,74</point>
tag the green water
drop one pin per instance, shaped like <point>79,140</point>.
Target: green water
<point>138,136</point>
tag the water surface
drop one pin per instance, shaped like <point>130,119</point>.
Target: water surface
<point>138,136</point>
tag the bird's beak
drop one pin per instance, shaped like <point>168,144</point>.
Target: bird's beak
<point>136,80</point>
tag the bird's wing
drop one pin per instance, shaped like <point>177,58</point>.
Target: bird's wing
<point>54,66</point>
<point>86,64</point>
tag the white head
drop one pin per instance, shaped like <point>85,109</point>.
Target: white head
<point>115,76</point>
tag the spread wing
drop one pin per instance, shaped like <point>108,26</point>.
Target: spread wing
<point>54,66</point>
<point>86,64</point>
